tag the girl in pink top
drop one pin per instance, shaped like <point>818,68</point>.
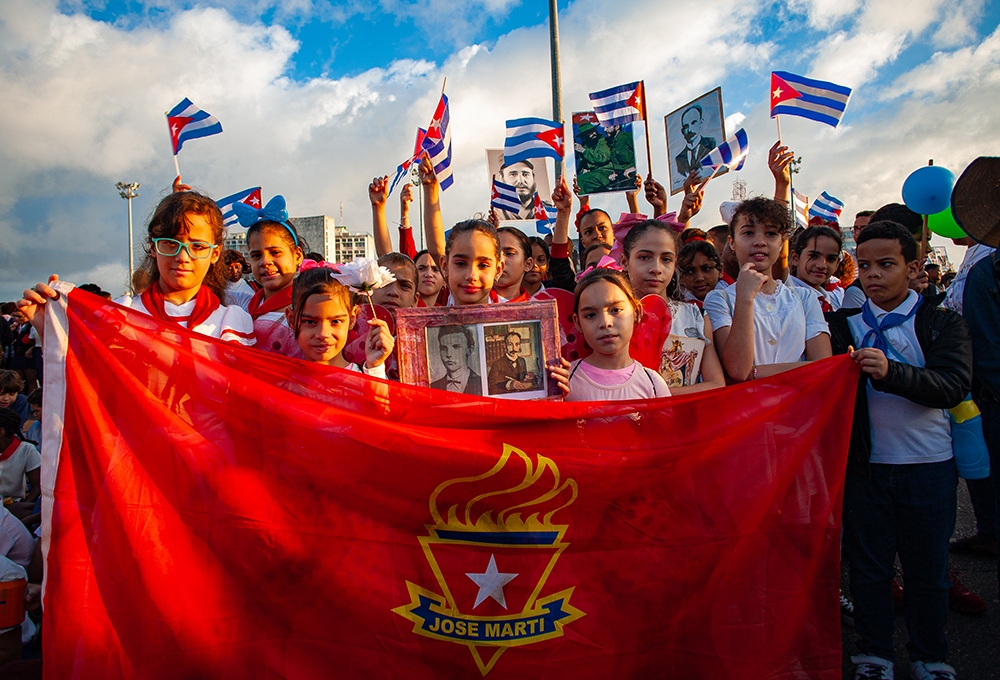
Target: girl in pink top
<point>606,311</point>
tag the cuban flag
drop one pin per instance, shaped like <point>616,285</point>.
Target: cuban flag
<point>186,121</point>
<point>817,100</point>
<point>620,105</point>
<point>544,215</point>
<point>732,153</point>
<point>250,197</point>
<point>801,205</point>
<point>529,138</point>
<point>827,207</point>
<point>504,197</point>
<point>437,143</point>
<point>405,165</point>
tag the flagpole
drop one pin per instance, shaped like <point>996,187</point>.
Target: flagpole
<point>645,120</point>
<point>557,114</point>
<point>777,119</point>
<point>925,236</point>
<point>172,149</point>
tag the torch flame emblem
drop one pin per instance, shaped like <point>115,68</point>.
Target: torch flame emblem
<point>492,546</point>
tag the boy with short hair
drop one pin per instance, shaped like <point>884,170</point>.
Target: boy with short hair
<point>11,385</point>
<point>900,490</point>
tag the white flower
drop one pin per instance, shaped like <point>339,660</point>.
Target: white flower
<point>364,275</point>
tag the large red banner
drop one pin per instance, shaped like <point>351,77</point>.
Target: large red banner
<point>214,511</point>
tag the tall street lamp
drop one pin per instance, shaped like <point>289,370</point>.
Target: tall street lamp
<point>128,192</point>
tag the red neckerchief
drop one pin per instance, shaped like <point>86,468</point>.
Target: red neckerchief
<point>258,306</point>
<point>829,286</point>
<point>522,297</point>
<point>827,307</point>
<point>727,278</point>
<point>9,451</point>
<point>205,303</point>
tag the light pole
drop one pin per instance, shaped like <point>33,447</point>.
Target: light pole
<point>557,113</point>
<point>128,192</point>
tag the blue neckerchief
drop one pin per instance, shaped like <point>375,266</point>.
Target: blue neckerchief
<point>876,330</point>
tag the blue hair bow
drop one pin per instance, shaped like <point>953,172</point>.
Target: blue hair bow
<point>274,211</point>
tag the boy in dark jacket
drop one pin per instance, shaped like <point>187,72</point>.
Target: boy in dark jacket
<point>900,491</point>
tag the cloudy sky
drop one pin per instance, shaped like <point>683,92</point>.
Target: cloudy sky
<point>317,98</point>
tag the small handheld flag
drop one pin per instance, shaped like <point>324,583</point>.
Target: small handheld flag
<point>618,105</point>
<point>624,104</point>
<point>250,197</point>
<point>405,165</point>
<point>533,138</point>
<point>732,152</point>
<point>504,197</point>
<point>813,99</point>
<point>543,215</point>
<point>186,121</point>
<point>801,203</point>
<point>437,143</point>
<point>827,207</point>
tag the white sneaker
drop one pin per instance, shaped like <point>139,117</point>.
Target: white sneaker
<point>873,668</point>
<point>921,670</point>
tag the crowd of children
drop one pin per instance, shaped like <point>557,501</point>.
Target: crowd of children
<point>747,299</point>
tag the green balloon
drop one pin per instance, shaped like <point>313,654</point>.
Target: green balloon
<point>944,224</point>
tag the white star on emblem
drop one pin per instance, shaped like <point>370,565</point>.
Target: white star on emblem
<point>491,584</point>
<point>254,202</point>
<point>777,93</point>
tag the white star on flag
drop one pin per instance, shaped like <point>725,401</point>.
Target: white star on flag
<point>777,93</point>
<point>491,584</point>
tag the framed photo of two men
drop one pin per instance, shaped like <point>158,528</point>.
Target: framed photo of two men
<point>499,350</point>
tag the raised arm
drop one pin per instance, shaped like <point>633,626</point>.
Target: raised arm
<point>656,196</point>
<point>630,196</point>
<point>779,160</point>
<point>433,224</point>
<point>32,305</point>
<point>406,243</point>
<point>378,192</point>
<point>694,194</point>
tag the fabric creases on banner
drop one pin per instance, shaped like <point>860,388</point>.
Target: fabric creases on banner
<point>221,512</point>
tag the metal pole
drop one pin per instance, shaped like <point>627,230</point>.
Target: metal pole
<point>128,192</point>
<point>557,112</point>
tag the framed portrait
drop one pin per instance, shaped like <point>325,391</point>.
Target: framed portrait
<point>527,177</point>
<point>604,157</point>
<point>496,351</point>
<point>692,131</point>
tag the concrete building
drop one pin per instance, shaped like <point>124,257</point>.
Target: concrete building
<point>321,235</point>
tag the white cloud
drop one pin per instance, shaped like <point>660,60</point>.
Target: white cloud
<point>949,69</point>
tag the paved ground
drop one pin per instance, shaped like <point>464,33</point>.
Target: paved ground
<point>973,642</point>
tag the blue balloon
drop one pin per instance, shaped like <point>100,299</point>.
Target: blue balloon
<point>927,191</point>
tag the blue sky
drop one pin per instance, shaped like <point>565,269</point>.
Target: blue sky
<point>317,98</point>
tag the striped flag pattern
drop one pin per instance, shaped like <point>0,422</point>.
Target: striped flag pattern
<point>437,143</point>
<point>619,105</point>
<point>405,165</point>
<point>504,197</point>
<point>732,153</point>
<point>186,121</point>
<point>249,196</point>
<point>529,138</point>
<point>544,215</point>
<point>801,204</point>
<point>820,100</point>
<point>826,206</point>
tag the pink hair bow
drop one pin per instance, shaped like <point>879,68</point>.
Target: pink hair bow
<point>625,223</point>
<point>308,264</point>
<point>607,262</point>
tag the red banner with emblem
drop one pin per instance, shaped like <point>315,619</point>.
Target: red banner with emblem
<point>214,511</point>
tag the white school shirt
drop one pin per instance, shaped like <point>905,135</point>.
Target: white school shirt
<point>16,542</point>
<point>835,297</point>
<point>782,321</point>
<point>854,297</point>
<point>24,459</point>
<point>903,433</point>
<point>228,323</point>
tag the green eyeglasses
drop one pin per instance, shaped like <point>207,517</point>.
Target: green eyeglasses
<point>169,247</point>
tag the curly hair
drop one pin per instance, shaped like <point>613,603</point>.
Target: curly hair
<point>761,210</point>
<point>466,226</point>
